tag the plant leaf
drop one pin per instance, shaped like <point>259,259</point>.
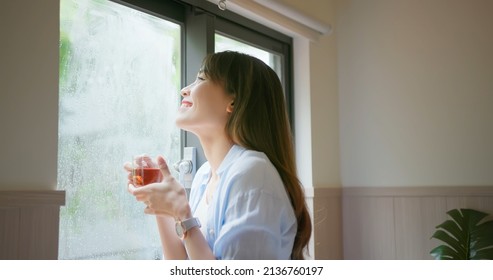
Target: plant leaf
<point>465,236</point>
<point>454,230</point>
<point>483,235</point>
<point>449,240</point>
<point>484,229</point>
<point>481,244</point>
<point>457,217</point>
<point>444,252</point>
<point>485,254</point>
<point>473,217</point>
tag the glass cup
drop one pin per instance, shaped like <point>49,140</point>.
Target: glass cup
<point>145,170</point>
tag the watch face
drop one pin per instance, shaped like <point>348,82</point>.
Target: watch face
<point>179,229</point>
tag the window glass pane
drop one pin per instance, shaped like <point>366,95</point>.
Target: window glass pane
<point>119,92</point>
<point>223,43</point>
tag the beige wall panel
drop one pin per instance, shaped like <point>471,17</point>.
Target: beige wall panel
<point>309,203</point>
<point>29,223</point>
<point>368,228</point>
<point>9,232</point>
<point>433,213</point>
<point>368,212</point>
<point>415,221</point>
<point>484,204</point>
<point>39,232</point>
<point>328,228</point>
<point>408,227</point>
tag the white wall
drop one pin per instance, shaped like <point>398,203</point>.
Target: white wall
<point>321,115</point>
<point>317,128</point>
<point>29,94</point>
<point>416,92</point>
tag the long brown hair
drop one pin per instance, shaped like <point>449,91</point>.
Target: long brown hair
<point>259,122</point>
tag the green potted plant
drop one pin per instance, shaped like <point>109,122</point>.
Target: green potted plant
<point>464,236</point>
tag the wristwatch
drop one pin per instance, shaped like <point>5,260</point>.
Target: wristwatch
<point>182,227</point>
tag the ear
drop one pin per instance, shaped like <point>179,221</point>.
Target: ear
<point>230,107</point>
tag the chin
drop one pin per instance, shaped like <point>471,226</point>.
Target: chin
<point>179,123</point>
<point>182,123</point>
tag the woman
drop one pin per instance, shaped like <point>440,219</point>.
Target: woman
<point>246,202</point>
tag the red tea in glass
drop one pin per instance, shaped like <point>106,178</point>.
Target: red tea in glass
<point>145,175</point>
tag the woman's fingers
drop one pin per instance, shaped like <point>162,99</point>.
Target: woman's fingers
<point>163,166</point>
<point>150,211</point>
<point>141,160</point>
<point>127,166</point>
<point>166,197</point>
<point>140,193</point>
<point>147,161</point>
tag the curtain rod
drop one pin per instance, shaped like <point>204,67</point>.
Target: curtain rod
<point>277,16</point>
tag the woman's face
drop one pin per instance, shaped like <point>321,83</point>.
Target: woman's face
<point>205,107</point>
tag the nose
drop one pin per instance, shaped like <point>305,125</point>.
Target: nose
<point>185,91</point>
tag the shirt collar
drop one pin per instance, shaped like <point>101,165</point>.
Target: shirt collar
<point>233,153</point>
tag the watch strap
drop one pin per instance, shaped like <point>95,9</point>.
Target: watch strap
<point>182,227</point>
<point>190,223</point>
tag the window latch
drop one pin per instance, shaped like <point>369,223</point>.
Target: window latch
<point>186,167</point>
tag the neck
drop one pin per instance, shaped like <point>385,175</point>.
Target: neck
<point>215,150</point>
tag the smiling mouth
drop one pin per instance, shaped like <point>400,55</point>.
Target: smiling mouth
<point>186,104</point>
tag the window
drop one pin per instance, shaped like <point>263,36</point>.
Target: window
<point>223,43</point>
<point>273,48</point>
<point>122,65</point>
<point>119,89</point>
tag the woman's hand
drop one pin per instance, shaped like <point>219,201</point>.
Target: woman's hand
<point>165,198</point>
